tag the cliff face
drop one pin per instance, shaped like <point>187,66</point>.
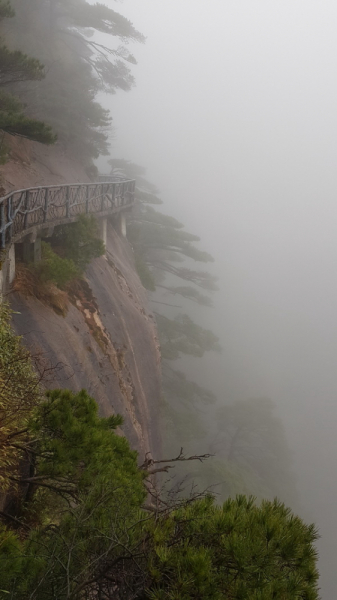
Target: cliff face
<point>107,341</point>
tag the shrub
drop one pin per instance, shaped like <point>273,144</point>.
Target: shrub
<point>54,268</point>
<point>79,241</point>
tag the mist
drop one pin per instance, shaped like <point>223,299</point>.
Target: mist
<point>234,117</point>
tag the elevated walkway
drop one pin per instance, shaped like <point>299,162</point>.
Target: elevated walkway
<point>28,215</point>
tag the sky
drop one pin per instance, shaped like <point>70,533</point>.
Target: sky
<point>234,116</point>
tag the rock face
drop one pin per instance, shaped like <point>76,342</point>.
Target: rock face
<point>32,164</point>
<point>107,342</point>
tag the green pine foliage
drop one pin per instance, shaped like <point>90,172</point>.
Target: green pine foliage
<point>15,122</point>
<point>85,530</point>
<point>104,19</point>
<point>6,9</point>
<point>161,240</point>
<point>61,36</point>
<point>81,503</point>
<point>72,248</point>
<point>76,446</point>
<point>54,268</point>
<point>24,126</point>
<point>152,232</point>
<point>237,550</point>
<point>16,66</point>
<point>189,293</point>
<point>150,215</point>
<point>67,102</point>
<point>182,336</point>
<point>19,393</point>
<point>79,241</point>
<point>79,523</point>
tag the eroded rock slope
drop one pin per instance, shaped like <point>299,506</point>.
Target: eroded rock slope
<point>107,342</point>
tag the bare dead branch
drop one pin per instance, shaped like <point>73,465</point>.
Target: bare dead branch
<point>148,462</point>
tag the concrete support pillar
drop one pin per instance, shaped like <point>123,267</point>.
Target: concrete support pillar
<point>122,224</point>
<point>102,229</point>
<point>37,255</point>
<point>7,270</point>
<point>27,253</point>
<point>11,264</point>
<point>32,251</point>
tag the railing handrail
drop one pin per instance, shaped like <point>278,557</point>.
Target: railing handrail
<point>64,185</point>
<point>20,210</point>
<point>112,178</point>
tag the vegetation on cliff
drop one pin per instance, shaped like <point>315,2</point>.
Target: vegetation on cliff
<point>80,519</point>
<point>69,68</point>
<point>19,394</point>
<point>63,262</point>
<point>16,67</point>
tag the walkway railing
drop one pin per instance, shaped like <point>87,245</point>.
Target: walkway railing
<point>25,209</point>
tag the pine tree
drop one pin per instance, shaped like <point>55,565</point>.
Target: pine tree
<point>77,67</point>
<point>160,241</point>
<point>182,336</point>
<point>15,66</point>
<point>14,121</point>
<point>86,529</point>
<point>6,9</point>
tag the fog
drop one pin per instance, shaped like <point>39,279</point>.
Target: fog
<point>234,117</point>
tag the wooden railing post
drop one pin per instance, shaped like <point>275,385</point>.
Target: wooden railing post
<point>67,201</point>
<point>123,193</point>
<point>2,226</point>
<point>87,200</point>
<point>45,205</point>
<point>9,218</point>
<point>25,221</point>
